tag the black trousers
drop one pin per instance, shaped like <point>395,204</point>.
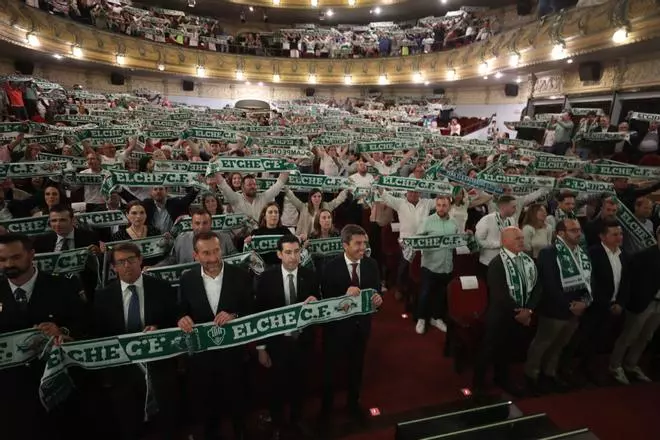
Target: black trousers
<point>589,339</point>
<point>500,330</point>
<point>344,342</point>
<point>287,377</point>
<point>215,388</point>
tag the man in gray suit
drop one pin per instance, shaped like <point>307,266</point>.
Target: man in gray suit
<point>182,252</point>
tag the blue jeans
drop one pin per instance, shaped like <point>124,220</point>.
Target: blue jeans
<point>432,302</point>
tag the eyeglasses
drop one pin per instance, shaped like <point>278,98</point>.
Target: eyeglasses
<point>125,261</point>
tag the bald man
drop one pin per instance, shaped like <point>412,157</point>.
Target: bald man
<point>513,294</point>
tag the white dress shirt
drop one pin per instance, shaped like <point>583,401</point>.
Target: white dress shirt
<point>92,193</point>
<point>126,297</point>
<point>411,216</point>
<point>349,265</point>
<point>285,275</point>
<point>615,262</point>
<point>213,287</point>
<point>362,181</point>
<point>28,287</point>
<point>487,233</point>
<point>70,241</point>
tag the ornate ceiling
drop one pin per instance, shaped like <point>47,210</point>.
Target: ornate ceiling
<point>579,31</point>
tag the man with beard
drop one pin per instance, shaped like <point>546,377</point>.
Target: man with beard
<point>216,293</point>
<point>249,202</point>
<point>607,214</point>
<point>163,210</point>
<point>30,298</point>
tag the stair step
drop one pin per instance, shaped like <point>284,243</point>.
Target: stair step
<point>456,420</point>
<point>529,427</point>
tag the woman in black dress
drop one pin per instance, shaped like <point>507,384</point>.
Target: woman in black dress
<point>137,228</point>
<point>270,224</point>
<point>323,228</point>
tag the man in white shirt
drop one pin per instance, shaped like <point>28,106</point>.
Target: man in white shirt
<point>249,202</point>
<point>412,212</point>
<point>286,356</point>
<point>218,293</point>
<point>489,228</point>
<point>92,193</point>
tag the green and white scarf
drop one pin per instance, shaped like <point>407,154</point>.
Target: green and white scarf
<point>225,222</point>
<point>62,263</point>
<point>649,117</point>
<point>433,242</point>
<point>26,225</point>
<point>503,222</point>
<point>250,165</point>
<point>262,244</point>
<point>574,267</point>
<point>521,276</point>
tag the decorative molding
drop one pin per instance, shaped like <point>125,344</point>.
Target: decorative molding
<point>584,30</point>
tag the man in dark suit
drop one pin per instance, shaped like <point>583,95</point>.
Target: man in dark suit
<point>286,355</point>
<point>65,236</point>
<point>642,316</point>
<point>559,308</point>
<point>506,312</point>
<point>216,293</point>
<point>346,340</point>
<point>131,304</point>
<point>163,210</point>
<point>610,288</point>
<point>30,298</point>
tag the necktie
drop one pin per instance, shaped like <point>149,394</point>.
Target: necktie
<point>133,320</point>
<point>355,280</point>
<point>293,296</point>
<point>65,244</point>
<point>292,290</point>
<point>21,299</point>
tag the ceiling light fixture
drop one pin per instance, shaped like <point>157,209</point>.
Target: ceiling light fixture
<point>57,56</point>
<point>192,3</point>
<point>620,35</point>
<point>77,52</point>
<point>314,3</point>
<point>485,77</point>
<point>121,59</point>
<point>201,71</point>
<point>161,67</point>
<point>251,8</point>
<point>382,80</point>
<point>351,2</point>
<point>276,2</point>
<point>329,13</point>
<point>451,74</point>
<point>518,80</point>
<point>444,2</point>
<point>569,61</point>
<point>348,80</point>
<point>311,78</point>
<point>33,40</point>
<point>558,51</point>
<point>239,75</point>
<point>418,77</point>
<point>276,77</point>
<point>498,75</point>
<point>483,67</point>
<point>514,60</point>
<point>377,10</point>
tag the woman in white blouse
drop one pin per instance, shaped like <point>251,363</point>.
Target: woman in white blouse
<point>537,233</point>
<point>310,209</point>
<point>454,128</point>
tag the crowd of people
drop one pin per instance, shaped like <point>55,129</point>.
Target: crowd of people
<point>107,205</point>
<point>430,34</point>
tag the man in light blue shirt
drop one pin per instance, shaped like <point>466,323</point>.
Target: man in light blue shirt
<point>437,266</point>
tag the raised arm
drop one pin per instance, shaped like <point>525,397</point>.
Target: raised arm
<point>295,201</point>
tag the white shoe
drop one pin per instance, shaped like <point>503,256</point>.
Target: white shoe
<point>638,374</point>
<point>439,324</point>
<point>420,328</point>
<point>619,375</point>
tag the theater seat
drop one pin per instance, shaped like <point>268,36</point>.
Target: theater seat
<point>465,311</point>
<point>650,160</point>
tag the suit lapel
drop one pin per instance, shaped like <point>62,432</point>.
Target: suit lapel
<point>116,308</point>
<point>203,297</point>
<point>149,302</point>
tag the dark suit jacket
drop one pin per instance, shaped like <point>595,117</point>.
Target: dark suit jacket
<point>81,239</point>
<point>602,279</point>
<point>108,312</point>
<point>500,303</point>
<point>176,206</point>
<point>54,299</point>
<point>270,295</point>
<point>336,281</point>
<point>236,297</point>
<point>554,302</point>
<point>645,282</point>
